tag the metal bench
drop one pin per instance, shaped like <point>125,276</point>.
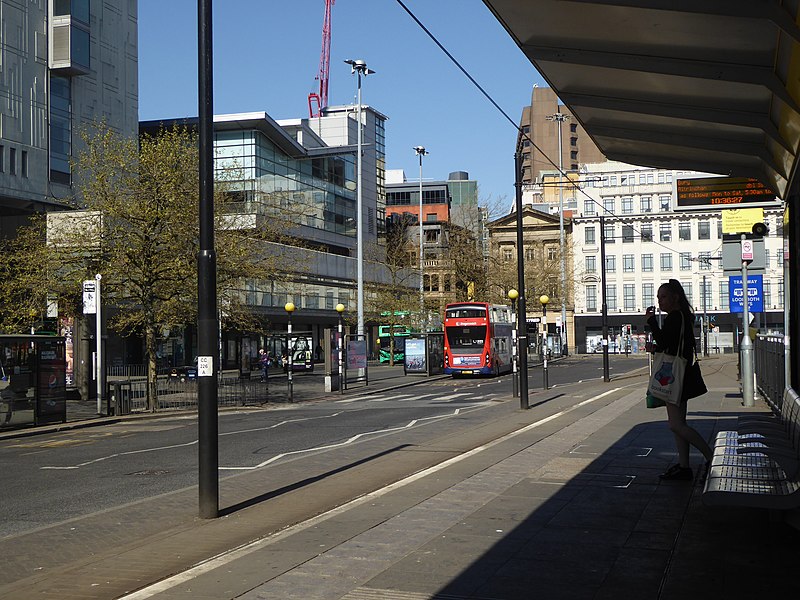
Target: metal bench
<point>758,465</point>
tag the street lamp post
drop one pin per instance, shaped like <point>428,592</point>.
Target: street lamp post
<point>340,310</point>
<point>544,299</point>
<point>420,150</point>
<point>289,307</point>
<point>360,68</point>
<point>522,327</point>
<point>513,295</point>
<point>560,118</point>
<point>705,318</point>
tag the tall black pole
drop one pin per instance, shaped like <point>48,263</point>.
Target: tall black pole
<point>522,321</point>
<point>207,332</point>
<point>604,304</point>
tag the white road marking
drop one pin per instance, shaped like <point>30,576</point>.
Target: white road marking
<point>229,556</point>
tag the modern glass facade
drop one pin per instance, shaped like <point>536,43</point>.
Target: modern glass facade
<point>319,192</point>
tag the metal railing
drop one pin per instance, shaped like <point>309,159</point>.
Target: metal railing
<point>770,369</point>
<point>130,396</point>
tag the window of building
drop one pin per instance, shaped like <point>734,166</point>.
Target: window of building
<point>608,233</point>
<point>687,287</point>
<point>646,204</point>
<point>60,129</point>
<point>530,254</point>
<point>608,205</point>
<point>526,129</point>
<point>724,301</point>
<point>591,264</point>
<point>611,264</point>
<point>664,203</point>
<point>611,296</point>
<point>703,230</point>
<point>704,259</point>
<point>12,161</point>
<point>627,234</point>
<point>685,261</point>
<point>628,263</point>
<point>573,155</point>
<point>767,294</point>
<point>665,232</point>
<point>780,293</point>
<point>647,233</point>
<point>684,232</point>
<point>2,158</point>
<point>508,254</point>
<point>552,253</point>
<point>779,257</point>
<point>573,127</point>
<point>719,228</point>
<point>613,180</point>
<point>591,298</point>
<point>648,297</point>
<point>588,235</point>
<point>588,207</point>
<point>650,178</point>
<point>629,296</point>
<point>431,236</point>
<point>24,163</point>
<point>573,141</point>
<point>661,177</point>
<point>666,261</point>
<point>627,205</point>
<point>647,263</point>
<point>574,166</point>
<point>705,294</point>
<point>766,259</point>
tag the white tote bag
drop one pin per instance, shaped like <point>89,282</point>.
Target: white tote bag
<point>668,373</point>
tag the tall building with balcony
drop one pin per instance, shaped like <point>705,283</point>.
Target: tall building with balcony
<point>648,240</point>
<point>63,65</point>
<point>539,130</point>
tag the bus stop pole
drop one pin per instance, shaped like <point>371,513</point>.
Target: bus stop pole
<point>99,346</point>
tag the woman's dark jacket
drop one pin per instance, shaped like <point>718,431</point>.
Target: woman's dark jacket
<point>668,336</point>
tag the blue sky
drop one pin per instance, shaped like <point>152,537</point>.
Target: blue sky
<point>266,56</point>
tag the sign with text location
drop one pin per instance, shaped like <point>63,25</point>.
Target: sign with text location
<point>747,249</point>
<point>89,297</point>
<point>755,293</point>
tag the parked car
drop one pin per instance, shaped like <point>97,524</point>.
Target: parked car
<point>184,373</point>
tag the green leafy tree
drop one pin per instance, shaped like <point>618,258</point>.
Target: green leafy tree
<point>392,301</point>
<point>139,228</point>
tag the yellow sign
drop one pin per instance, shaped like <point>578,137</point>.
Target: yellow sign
<point>741,220</point>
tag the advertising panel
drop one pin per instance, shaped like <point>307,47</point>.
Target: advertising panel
<point>415,355</point>
<point>356,354</point>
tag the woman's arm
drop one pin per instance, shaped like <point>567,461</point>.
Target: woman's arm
<point>667,337</point>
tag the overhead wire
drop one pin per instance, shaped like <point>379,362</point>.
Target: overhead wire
<point>520,131</point>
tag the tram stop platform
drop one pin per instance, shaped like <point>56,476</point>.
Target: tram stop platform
<point>566,504</point>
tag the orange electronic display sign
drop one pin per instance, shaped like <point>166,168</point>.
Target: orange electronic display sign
<point>721,192</point>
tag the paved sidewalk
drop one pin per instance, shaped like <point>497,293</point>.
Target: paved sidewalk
<point>567,505</point>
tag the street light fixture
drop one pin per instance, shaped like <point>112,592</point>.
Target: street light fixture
<point>544,299</point>
<point>289,307</point>
<point>560,118</point>
<point>359,67</point>
<point>420,150</point>
<point>513,295</point>
<point>340,310</point>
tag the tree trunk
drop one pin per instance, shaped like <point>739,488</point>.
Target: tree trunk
<point>391,350</point>
<point>152,372</point>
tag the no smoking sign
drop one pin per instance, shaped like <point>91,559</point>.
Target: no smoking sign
<point>747,249</point>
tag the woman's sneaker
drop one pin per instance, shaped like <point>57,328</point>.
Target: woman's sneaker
<point>677,473</point>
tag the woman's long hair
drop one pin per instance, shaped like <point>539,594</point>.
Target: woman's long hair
<point>675,287</point>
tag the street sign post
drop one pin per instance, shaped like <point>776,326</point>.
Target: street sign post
<point>747,250</point>
<point>755,293</point>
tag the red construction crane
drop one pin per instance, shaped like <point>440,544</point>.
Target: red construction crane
<point>320,99</point>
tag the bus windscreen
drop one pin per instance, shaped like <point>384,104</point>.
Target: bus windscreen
<point>466,340</point>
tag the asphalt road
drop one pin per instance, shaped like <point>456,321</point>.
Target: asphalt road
<point>50,478</point>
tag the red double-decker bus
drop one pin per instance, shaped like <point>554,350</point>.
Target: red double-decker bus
<point>477,338</point>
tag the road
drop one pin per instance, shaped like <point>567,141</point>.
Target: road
<point>51,478</point>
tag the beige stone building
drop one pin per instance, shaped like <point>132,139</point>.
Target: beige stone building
<point>542,256</point>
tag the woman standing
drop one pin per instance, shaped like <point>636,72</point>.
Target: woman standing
<point>672,300</point>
